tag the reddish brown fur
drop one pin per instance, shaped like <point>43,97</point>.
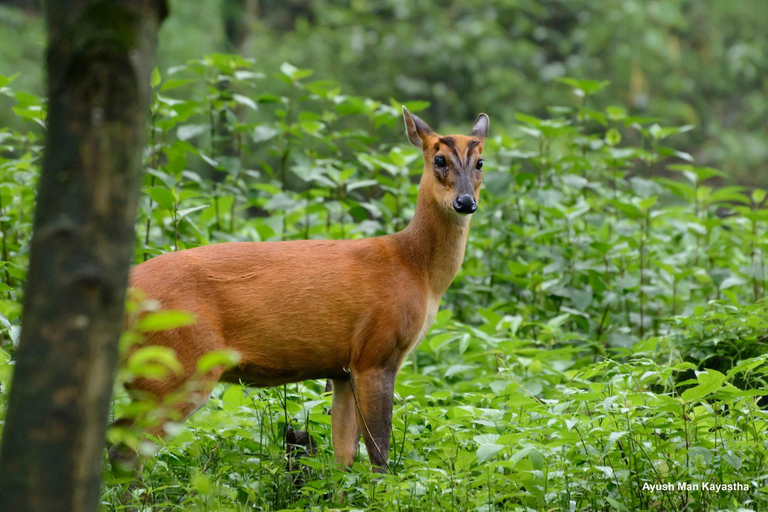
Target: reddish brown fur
<point>320,309</point>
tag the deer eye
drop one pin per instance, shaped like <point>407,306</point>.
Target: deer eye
<point>439,161</point>
<point>479,164</point>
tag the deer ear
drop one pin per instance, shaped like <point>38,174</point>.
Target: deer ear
<point>480,129</point>
<point>416,129</point>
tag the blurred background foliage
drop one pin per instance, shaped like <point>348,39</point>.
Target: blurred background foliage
<point>699,62</point>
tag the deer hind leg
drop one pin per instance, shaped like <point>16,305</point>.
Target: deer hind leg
<point>375,389</point>
<point>176,404</point>
<point>345,430</point>
<point>175,398</point>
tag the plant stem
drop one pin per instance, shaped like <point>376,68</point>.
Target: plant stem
<point>152,183</point>
<point>643,229</point>
<point>4,229</point>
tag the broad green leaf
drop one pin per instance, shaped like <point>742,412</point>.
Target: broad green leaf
<point>487,451</point>
<point>709,382</point>
<point>163,197</point>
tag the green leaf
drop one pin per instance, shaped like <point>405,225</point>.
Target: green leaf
<point>709,382</point>
<point>216,358</point>
<point>518,269</point>
<point>588,87</point>
<point>210,161</point>
<point>581,298</point>
<point>164,320</point>
<point>293,72</point>
<point>6,80</point>
<point>647,203</point>
<point>558,320</point>
<point>613,137</point>
<point>236,396</point>
<point>733,460</point>
<point>188,131</point>
<point>537,460</point>
<point>202,483</point>
<point>154,360</point>
<point>487,451</point>
<point>176,83</point>
<point>155,79</point>
<point>183,213</point>
<point>606,470</point>
<point>728,194</point>
<point>245,100</point>
<point>616,113</point>
<point>268,98</point>
<point>163,197</point>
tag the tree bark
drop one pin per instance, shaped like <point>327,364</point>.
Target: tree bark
<point>99,59</point>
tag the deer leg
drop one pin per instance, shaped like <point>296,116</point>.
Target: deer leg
<point>375,389</point>
<point>344,427</point>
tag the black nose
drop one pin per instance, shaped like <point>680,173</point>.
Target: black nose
<point>465,203</point>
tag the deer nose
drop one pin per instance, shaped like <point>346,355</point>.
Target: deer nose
<point>465,203</point>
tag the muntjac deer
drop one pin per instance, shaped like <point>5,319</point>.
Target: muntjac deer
<point>345,310</point>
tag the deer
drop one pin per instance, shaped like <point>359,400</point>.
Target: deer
<point>345,310</point>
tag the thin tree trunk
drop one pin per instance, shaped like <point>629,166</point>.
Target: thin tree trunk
<point>239,16</point>
<point>99,58</point>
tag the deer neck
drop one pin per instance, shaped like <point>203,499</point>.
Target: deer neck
<point>434,242</point>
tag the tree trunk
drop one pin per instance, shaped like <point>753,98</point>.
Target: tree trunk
<point>99,59</point>
<point>239,16</point>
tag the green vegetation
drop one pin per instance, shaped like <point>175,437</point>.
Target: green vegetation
<point>606,331</point>
<point>700,62</point>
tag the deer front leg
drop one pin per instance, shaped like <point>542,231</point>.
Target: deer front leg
<point>345,431</point>
<point>375,389</point>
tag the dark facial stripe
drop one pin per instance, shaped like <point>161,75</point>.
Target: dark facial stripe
<point>472,145</point>
<point>448,141</point>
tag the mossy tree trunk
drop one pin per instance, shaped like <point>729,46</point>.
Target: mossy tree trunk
<point>99,60</point>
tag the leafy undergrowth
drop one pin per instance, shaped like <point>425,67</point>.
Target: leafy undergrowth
<point>605,337</point>
<point>497,422</point>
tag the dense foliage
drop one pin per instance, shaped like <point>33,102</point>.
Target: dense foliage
<point>699,62</point>
<point>687,61</point>
<point>607,330</point>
